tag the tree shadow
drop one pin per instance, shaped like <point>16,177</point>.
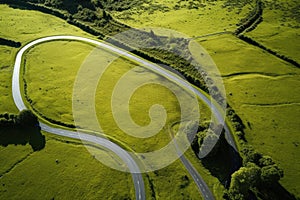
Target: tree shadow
<point>224,162</point>
<point>18,135</point>
<point>275,192</point>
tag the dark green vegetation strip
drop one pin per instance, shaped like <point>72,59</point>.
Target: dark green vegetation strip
<point>21,129</point>
<point>10,43</point>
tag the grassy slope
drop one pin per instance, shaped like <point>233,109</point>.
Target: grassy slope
<point>24,26</point>
<point>140,103</point>
<point>233,61</point>
<point>42,181</point>
<point>280,28</point>
<point>76,175</point>
<point>266,95</point>
<point>264,78</point>
<point>192,22</point>
<point>45,72</point>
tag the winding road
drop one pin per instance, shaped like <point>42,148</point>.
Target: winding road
<point>128,160</point>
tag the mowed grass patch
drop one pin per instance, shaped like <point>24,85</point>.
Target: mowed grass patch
<point>264,92</point>
<point>50,71</point>
<point>64,171</point>
<point>233,56</point>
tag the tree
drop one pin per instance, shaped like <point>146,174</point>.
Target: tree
<point>27,119</point>
<point>271,174</point>
<point>266,161</point>
<point>245,179</point>
<point>251,155</point>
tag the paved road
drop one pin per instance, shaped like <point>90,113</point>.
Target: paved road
<point>138,181</point>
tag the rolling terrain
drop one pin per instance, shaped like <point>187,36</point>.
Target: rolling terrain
<point>253,43</point>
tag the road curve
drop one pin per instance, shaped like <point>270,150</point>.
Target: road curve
<point>138,181</point>
<point>124,155</point>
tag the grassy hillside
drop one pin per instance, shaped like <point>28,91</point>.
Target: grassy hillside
<point>279,29</point>
<point>65,69</point>
<point>44,177</point>
<point>192,18</point>
<point>263,90</point>
<point>60,171</point>
<point>19,160</point>
<point>51,69</point>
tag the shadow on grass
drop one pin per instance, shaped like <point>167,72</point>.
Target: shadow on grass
<point>19,135</point>
<point>224,162</point>
<point>275,192</point>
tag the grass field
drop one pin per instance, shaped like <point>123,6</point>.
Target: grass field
<point>279,29</point>
<point>19,160</point>
<point>64,69</point>
<point>58,73</point>
<point>264,91</point>
<point>60,171</point>
<point>50,66</point>
<point>261,88</point>
<point>210,18</point>
<point>35,175</point>
<point>24,26</point>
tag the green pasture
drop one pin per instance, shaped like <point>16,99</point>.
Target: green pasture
<point>50,71</point>
<point>210,18</point>
<point>60,171</point>
<point>64,71</point>
<point>279,29</point>
<point>261,88</point>
<point>35,175</point>
<point>264,92</point>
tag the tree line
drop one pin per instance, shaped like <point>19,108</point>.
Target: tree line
<point>242,175</point>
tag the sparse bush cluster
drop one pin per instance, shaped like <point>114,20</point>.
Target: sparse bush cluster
<point>236,122</point>
<point>190,4</point>
<point>116,5</point>
<point>210,135</point>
